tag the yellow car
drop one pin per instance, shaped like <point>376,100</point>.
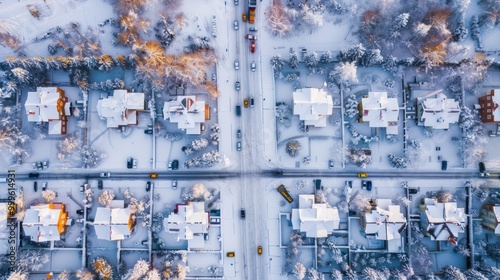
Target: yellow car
<point>244,16</point>
<point>153,175</point>
<point>245,102</point>
<point>363,175</point>
<point>259,250</point>
<point>230,254</point>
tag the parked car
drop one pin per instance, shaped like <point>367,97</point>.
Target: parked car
<point>245,102</point>
<point>259,250</point>
<point>242,213</point>
<point>244,16</point>
<point>236,27</point>
<point>105,175</point>
<point>251,102</point>
<point>175,164</point>
<point>238,133</point>
<point>362,175</point>
<point>214,220</point>
<point>252,48</point>
<point>238,145</point>
<point>148,186</point>
<point>253,29</point>
<point>99,184</point>
<point>363,184</point>
<point>148,131</point>
<point>236,64</point>
<point>39,165</point>
<point>444,165</point>
<point>330,164</point>
<point>253,66</point>
<point>134,163</point>
<point>45,164</point>
<point>237,86</point>
<point>412,191</point>
<point>170,165</point>
<point>482,167</point>
<point>35,186</point>
<point>84,187</point>
<point>369,185</point>
<point>174,184</point>
<point>251,37</point>
<point>236,2</point>
<point>130,163</point>
<point>79,212</point>
<point>230,254</point>
<point>44,186</point>
<point>348,184</point>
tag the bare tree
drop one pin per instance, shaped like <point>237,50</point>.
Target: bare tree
<point>278,22</point>
<point>299,270</point>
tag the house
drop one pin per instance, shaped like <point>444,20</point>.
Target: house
<point>489,112</point>
<point>122,109</point>
<point>437,112</point>
<point>491,217</point>
<point>187,112</point>
<point>312,105</point>
<point>317,220</point>
<point>384,221</point>
<point>442,221</point>
<point>49,104</point>
<point>114,222</point>
<point>46,222</point>
<point>190,222</point>
<point>378,110</point>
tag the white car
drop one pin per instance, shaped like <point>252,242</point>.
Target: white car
<point>236,64</point>
<point>236,27</point>
<point>253,66</point>
<point>105,174</point>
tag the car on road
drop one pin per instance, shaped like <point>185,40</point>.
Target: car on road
<point>175,164</point>
<point>245,102</point>
<point>238,146</point>
<point>251,102</point>
<point>259,250</point>
<point>362,175</point>
<point>237,86</point>
<point>236,64</point>
<point>251,37</point>
<point>230,254</point>
<point>99,184</point>
<point>330,164</point>
<point>148,186</point>
<point>242,213</point>
<point>244,16</point>
<point>252,48</point>
<point>253,29</point>
<point>238,110</point>
<point>35,186</point>
<point>238,133</point>
<point>33,175</point>
<point>235,24</point>
<point>236,2</point>
<point>174,184</point>
<point>253,66</point>
<point>153,175</point>
<point>104,174</point>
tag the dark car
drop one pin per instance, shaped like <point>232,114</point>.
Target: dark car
<point>175,164</point>
<point>368,185</point>
<point>148,131</point>
<point>482,167</point>
<point>35,186</point>
<point>148,186</point>
<point>33,175</point>
<point>412,191</point>
<point>44,186</point>
<point>99,184</point>
<point>251,102</point>
<point>444,165</point>
<point>130,163</point>
<point>238,110</point>
<point>79,212</point>
<point>237,85</point>
<point>242,213</point>
<point>238,133</point>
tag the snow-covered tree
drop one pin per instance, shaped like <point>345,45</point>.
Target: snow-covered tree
<point>181,271</point>
<point>444,196</point>
<point>300,184</point>
<point>461,31</point>
<point>31,260</point>
<point>48,195</point>
<point>154,274</point>
<point>336,274</point>
<point>65,147</point>
<point>325,58</point>
<point>474,274</point>
<point>293,60</point>
<point>102,268</point>
<point>313,274</point>
<point>21,75</point>
<point>18,275</point>
<point>344,72</point>
<point>453,273</point>
<point>360,203</point>
<point>351,106</point>
<point>293,147</point>
<point>208,159</point>
<point>371,57</point>
<point>320,197</point>
<point>278,21</point>
<point>90,156</point>
<point>398,161</point>
<point>106,197</point>
<point>493,251</point>
<point>277,62</point>
<point>353,54</point>
<point>65,275</point>
<point>284,114</point>
<point>400,22</point>
<point>84,274</point>
<point>311,61</point>
<point>358,157</point>
<point>299,270</point>
<point>291,77</point>
<point>140,269</point>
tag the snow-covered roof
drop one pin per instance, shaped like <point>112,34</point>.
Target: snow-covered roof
<point>385,221</point>
<point>312,105</point>
<point>438,112</point>
<point>48,104</point>
<point>112,223</point>
<point>380,111</point>
<point>189,221</point>
<point>315,219</point>
<point>121,109</point>
<point>45,223</point>
<point>443,220</point>
<point>187,112</point>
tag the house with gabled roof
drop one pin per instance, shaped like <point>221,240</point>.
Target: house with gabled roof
<point>490,216</point>
<point>46,222</point>
<point>490,111</point>
<point>50,105</point>
<point>313,105</point>
<point>316,220</point>
<point>190,222</point>
<point>378,110</point>
<point>188,112</point>
<point>121,109</point>
<point>437,112</point>
<point>442,221</point>
<point>114,222</point>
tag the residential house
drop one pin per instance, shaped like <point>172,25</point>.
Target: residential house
<point>442,221</point>
<point>187,112</point>
<point>190,222</point>
<point>316,220</point>
<point>489,112</point>
<point>384,221</point>
<point>437,112</point>
<point>313,105</point>
<point>114,222</point>
<point>49,104</point>
<point>46,222</point>
<point>378,110</point>
<point>121,109</point>
<point>491,217</point>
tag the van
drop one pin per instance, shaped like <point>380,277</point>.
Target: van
<point>238,110</point>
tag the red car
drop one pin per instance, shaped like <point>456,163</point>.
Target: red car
<point>252,46</point>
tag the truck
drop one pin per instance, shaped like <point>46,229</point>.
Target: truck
<point>284,193</point>
<point>252,5</point>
